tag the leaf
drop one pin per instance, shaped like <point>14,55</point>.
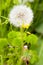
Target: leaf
<point>12,35</point>
<point>16,42</point>
<point>16,35</point>
<point>32,39</point>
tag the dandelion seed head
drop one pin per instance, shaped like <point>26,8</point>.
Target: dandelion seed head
<point>21,15</point>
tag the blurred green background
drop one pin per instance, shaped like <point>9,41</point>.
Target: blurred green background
<point>36,27</point>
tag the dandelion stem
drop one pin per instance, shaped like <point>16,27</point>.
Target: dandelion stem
<point>21,30</point>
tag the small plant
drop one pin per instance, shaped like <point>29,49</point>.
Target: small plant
<point>15,50</point>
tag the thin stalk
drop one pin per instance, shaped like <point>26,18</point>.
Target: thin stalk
<point>5,22</point>
<point>1,59</point>
<point>10,27</point>
<point>26,62</point>
<point>21,30</point>
<point>4,17</point>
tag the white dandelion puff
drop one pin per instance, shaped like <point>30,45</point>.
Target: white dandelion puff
<point>21,15</point>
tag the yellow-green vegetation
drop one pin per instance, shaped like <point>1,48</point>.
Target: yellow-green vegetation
<point>21,45</point>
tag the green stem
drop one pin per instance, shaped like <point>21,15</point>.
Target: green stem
<point>21,30</point>
<point>11,27</point>
<point>1,59</point>
<point>4,17</point>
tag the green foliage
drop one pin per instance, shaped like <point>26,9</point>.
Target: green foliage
<point>32,39</point>
<point>40,62</point>
<point>12,41</point>
<point>16,2</point>
<point>3,42</point>
<point>16,41</point>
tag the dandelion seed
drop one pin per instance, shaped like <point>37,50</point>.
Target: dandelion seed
<point>21,15</point>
